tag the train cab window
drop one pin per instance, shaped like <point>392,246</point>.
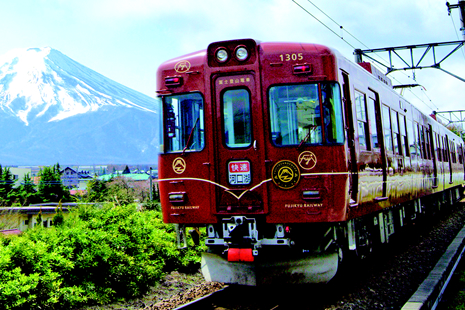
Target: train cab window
<point>387,128</point>
<point>362,123</point>
<point>296,110</point>
<point>236,118</point>
<point>183,123</point>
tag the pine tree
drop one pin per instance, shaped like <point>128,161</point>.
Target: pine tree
<point>26,193</point>
<point>6,185</point>
<point>50,188</point>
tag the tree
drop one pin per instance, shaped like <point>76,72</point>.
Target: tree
<point>50,188</point>
<point>457,129</point>
<point>97,190</point>
<point>26,193</point>
<point>6,185</point>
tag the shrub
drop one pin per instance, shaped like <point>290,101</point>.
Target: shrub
<point>97,255</point>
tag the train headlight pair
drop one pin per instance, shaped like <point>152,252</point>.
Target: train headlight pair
<point>241,53</point>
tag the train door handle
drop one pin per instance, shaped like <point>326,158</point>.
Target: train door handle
<point>255,145</point>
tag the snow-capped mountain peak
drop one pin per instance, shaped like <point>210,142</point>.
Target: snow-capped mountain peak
<point>43,83</point>
<point>53,109</point>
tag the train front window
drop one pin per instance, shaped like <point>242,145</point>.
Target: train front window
<point>184,122</point>
<point>236,118</point>
<point>296,114</point>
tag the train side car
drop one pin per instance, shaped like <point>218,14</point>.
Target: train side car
<point>290,155</point>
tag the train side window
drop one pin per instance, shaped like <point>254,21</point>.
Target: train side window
<point>332,113</point>
<point>403,135</point>
<point>438,147</point>
<point>387,128</point>
<point>395,133</point>
<point>452,152</point>
<point>236,118</point>
<point>183,123</point>
<point>362,123</point>
<point>418,140</point>
<point>460,152</point>
<point>424,145</point>
<point>411,138</point>
<point>372,120</point>
<point>428,143</point>
<point>445,148</point>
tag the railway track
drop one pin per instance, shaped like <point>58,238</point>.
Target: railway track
<point>387,280</point>
<point>430,292</point>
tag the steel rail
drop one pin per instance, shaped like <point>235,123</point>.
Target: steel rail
<point>203,302</point>
<point>430,292</point>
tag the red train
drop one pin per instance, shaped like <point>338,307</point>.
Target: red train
<point>291,156</point>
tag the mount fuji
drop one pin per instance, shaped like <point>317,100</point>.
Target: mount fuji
<point>53,109</point>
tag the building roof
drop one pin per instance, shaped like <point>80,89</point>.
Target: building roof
<point>133,176</point>
<point>32,210</point>
<point>11,231</point>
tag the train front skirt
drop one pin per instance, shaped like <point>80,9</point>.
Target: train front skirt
<point>310,269</point>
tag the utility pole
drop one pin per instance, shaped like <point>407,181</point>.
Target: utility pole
<point>461,7</point>
<point>150,176</point>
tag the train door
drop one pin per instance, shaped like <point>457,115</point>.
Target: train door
<point>350,137</point>
<point>378,162</point>
<point>239,145</point>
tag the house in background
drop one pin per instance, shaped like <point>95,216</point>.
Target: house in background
<point>19,173</point>
<point>22,218</point>
<point>75,179</point>
<point>69,177</point>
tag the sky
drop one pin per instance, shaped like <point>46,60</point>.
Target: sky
<point>126,40</point>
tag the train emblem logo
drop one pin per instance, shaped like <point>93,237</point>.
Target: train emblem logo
<point>182,66</point>
<point>179,165</point>
<point>285,174</point>
<point>307,160</point>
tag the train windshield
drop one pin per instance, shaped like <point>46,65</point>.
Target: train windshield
<point>236,118</point>
<point>184,122</point>
<point>306,114</point>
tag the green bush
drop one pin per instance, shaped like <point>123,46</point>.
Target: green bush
<point>96,256</point>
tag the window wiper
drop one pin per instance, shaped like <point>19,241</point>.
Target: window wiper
<point>190,135</point>
<point>307,137</point>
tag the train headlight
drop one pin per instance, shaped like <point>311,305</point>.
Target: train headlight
<point>177,197</point>
<point>221,55</point>
<point>242,53</point>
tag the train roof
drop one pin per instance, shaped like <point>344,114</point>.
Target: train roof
<point>199,58</point>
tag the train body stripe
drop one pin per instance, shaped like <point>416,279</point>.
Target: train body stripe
<point>229,190</point>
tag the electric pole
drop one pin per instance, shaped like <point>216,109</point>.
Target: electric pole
<point>461,7</point>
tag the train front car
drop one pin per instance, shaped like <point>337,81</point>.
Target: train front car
<point>254,149</point>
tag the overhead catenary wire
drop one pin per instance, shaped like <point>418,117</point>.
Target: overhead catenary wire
<point>308,12</point>
<point>340,26</point>
<point>348,43</point>
<point>456,33</point>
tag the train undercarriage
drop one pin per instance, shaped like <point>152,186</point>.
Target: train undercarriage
<point>247,251</point>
